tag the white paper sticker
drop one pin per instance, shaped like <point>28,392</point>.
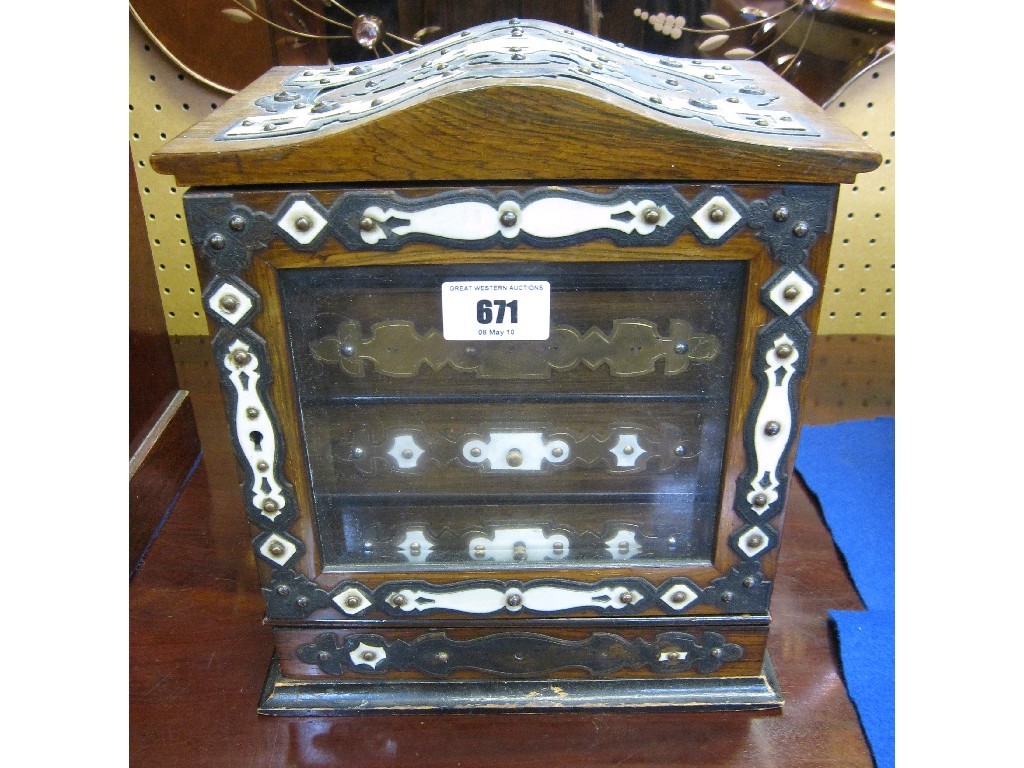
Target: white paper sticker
<point>494,310</point>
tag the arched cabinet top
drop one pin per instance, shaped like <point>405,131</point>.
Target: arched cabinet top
<point>517,100</point>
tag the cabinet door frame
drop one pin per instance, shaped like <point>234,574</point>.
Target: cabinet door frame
<point>246,236</point>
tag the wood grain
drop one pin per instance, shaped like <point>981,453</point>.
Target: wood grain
<point>559,131</point>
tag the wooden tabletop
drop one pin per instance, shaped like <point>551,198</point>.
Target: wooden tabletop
<point>199,651</point>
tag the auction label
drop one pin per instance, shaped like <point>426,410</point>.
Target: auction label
<point>493,309</point>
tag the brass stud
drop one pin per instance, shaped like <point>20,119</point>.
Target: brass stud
<point>654,99</point>
<point>241,357</point>
<point>727,597</point>
<point>733,100</point>
<point>367,224</point>
<point>772,428</point>
<point>748,582</point>
<point>717,214</point>
<point>673,656</point>
<point>514,600</point>
<point>348,350</point>
<point>760,499</point>
<point>283,590</point>
<point>269,506</point>
<point>800,229</point>
<point>324,656</point>
<point>790,293</point>
<point>783,351</point>
<point>407,453</point>
<point>479,549</point>
<point>475,452</point>
<point>229,303</point>
<point>716,652</point>
<point>680,450</point>
<point>518,57</point>
<point>367,547</point>
<point>626,598</point>
<point>237,223</point>
<point>302,601</point>
<point>519,552</point>
<point>557,452</point>
<point>353,601</point>
<point>276,548</point>
<point>442,656</point>
<point>652,215</point>
<point>781,213</point>
<point>514,458</point>
<point>303,223</point>
<point>762,122</point>
<point>358,453</point>
<point>369,655</point>
<point>678,597</point>
<point>217,241</point>
<point>558,546</point>
<point>415,548</point>
<point>627,449</point>
<point>508,219</point>
<point>623,547</point>
<point>398,600</point>
<point>682,348</point>
<point>755,541</point>
<point>252,413</point>
<point>262,466</point>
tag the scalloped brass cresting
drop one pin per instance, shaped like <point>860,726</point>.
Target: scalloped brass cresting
<point>395,348</point>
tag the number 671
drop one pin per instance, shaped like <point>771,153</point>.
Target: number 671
<point>485,311</point>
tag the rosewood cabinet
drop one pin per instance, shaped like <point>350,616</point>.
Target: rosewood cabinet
<point>512,330</point>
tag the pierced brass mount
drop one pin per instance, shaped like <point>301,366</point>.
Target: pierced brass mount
<point>395,348</point>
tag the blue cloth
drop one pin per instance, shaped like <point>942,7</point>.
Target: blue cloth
<point>850,467</point>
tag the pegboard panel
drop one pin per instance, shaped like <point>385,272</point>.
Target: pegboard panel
<point>860,288</point>
<point>162,102</point>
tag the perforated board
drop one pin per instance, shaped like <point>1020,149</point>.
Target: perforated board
<point>860,288</point>
<point>163,102</point>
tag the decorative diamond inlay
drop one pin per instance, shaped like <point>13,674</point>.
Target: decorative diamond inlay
<point>352,601</point>
<point>302,221</point>
<point>753,541</point>
<point>716,217</point>
<point>229,303</point>
<point>804,292</point>
<point>277,550</point>
<point>678,596</point>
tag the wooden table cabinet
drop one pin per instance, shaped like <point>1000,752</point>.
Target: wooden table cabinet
<point>512,329</point>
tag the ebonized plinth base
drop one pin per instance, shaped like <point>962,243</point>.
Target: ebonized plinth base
<point>284,696</point>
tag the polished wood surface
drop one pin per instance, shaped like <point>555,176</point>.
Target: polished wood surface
<point>168,458</point>
<point>199,653</point>
<point>566,130</point>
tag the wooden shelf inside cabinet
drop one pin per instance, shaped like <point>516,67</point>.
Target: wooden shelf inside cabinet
<point>494,398</point>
